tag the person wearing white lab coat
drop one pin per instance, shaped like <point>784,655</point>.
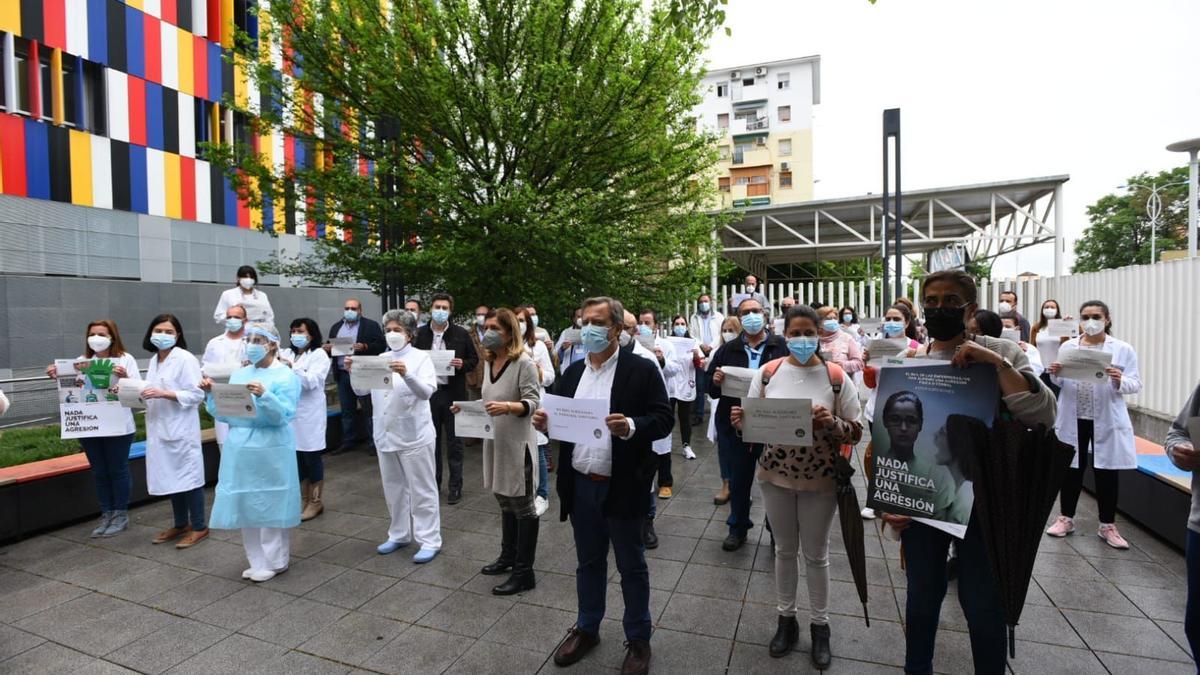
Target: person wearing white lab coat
<point>1013,326</point>
<point>404,439</point>
<point>258,306</point>
<point>311,364</point>
<point>174,458</point>
<point>536,348</point>
<point>705,326</point>
<point>683,383</point>
<point>1095,415</point>
<point>225,354</point>
<point>108,455</point>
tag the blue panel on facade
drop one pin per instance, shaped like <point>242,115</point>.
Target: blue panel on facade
<point>214,71</point>
<point>268,215</point>
<point>231,204</point>
<point>135,43</point>
<point>154,117</point>
<point>138,197</point>
<point>97,22</point>
<point>37,160</point>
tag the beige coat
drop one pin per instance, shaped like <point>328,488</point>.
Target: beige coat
<point>514,436</point>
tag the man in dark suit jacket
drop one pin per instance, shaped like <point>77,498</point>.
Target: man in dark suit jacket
<point>441,334</point>
<point>368,340</point>
<point>603,488</point>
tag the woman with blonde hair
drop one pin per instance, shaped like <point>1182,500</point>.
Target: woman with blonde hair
<point>511,393</point>
<point>731,328</point>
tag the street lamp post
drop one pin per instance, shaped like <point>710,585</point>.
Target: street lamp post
<point>1153,209</point>
<point>1192,147</point>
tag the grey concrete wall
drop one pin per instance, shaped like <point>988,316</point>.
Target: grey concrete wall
<point>1150,425</point>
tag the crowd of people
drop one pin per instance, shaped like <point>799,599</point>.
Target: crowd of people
<point>271,475</point>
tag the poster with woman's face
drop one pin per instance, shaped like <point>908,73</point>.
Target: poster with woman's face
<point>916,471</point>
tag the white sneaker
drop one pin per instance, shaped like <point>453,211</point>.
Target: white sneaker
<point>867,513</point>
<point>259,576</point>
<point>540,505</point>
<point>247,573</point>
<point>687,452</point>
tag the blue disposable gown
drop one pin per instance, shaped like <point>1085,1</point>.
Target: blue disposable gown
<point>258,484</point>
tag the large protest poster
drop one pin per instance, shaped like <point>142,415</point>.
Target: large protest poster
<point>916,472</point>
<point>87,400</point>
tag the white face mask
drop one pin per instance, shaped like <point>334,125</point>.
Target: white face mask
<point>579,323</point>
<point>246,283</point>
<point>396,341</point>
<point>521,326</point>
<point>99,343</point>
<point>480,318</point>
<point>1093,327</point>
<point>1049,312</point>
<point>728,336</point>
<point>1004,308</point>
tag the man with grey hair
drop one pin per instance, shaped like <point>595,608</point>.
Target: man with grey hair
<point>368,340</point>
<point>603,487</point>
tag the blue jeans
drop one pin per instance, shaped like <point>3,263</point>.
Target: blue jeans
<point>189,503</point>
<point>1191,621</point>
<point>725,453</point>
<point>742,458</point>
<point>925,550</point>
<point>109,457</point>
<point>543,490</point>
<point>311,466</point>
<point>701,397</point>
<point>593,532</point>
<point>349,402</point>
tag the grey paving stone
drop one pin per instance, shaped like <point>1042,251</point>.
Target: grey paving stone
<point>498,659</point>
<point>306,542</point>
<point>354,638</point>
<point>464,613</point>
<point>295,622</point>
<point>13,642</point>
<point>555,591</point>
<point>679,526</point>
<point>1175,630</point>
<point>1071,566</point>
<point>1036,659</point>
<point>1123,663</point>
<point>296,663</point>
<point>701,615</point>
<point>33,554</point>
<point>242,608</point>
<point>447,571</point>
<point>39,595</point>
<point>168,646</point>
<point>675,652</point>
<point>51,658</point>
<point>211,556</point>
<point>95,624</point>
<point>1125,635</point>
<point>753,658</point>
<point>952,651</point>
<point>349,525</point>
<point>708,553</point>
<point>235,655</point>
<point>347,553</point>
<point>1092,596</point>
<point>714,582</point>
<point>351,589</point>
<point>476,546</point>
<point>881,643</point>
<point>1137,573</point>
<point>537,629</point>
<point>148,580</point>
<point>406,601</point>
<point>396,565</point>
<point>419,650</point>
<point>881,601</point>
<point>758,622</point>
<point>195,595</point>
<point>303,576</point>
<point>614,602</point>
<point>665,574</point>
<point>1157,603</point>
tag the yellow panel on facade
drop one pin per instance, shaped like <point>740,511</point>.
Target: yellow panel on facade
<point>256,216</point>
<point>10,17</point>
<point>227,25</point>
<point>214,124</point>
<point>136,4</point>
<point>241,88</point>
<point>56,87</point>
<point>186,61</point>
<point>81,168</point>
<point>174,196</point>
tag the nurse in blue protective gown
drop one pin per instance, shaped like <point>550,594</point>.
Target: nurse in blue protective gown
<point>258,487</point>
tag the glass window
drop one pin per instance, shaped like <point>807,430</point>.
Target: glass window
<point>723,184</point>
<point>722,90</point>
<point>785,113</point>
<point>95,99</point>
<point>3,74</point>
<point>742,180</point>
<point>723,150</point>
<point>21,74</point>
<point>723,121</point>
<point>47,86</point>
<point>785,179</point>
<point>69,88</point>
<point>785,146</point>
<point>748,82</point>
<point>758,179</point>
<point>784,80</point>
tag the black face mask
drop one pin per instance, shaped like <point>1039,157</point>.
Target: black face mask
<point>944,323</point>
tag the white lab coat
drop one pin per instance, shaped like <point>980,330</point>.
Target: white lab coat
<point>132,373</point>
<point>541,357</point>
<point>1035,359</point>
<point>661,446</point>
<point>402,419</point>
<point>312,412</point>
<point>258,307</point>
<point>174,459</point>
<point>696,328</point>
<point>223,350</point>
<point>1113,444</point>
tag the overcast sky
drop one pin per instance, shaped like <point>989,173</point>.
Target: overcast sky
<point>990,90</point>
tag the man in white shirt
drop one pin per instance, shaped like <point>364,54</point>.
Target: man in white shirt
<point>603,488</point>
<point>705,327</point>
<point>225,354</point>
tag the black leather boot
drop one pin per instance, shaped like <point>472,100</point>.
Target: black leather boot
<point>522,572</point>
<point>508,546</point>
<point>649,536</point>
<point>786,636</point>
<point>821,657</point>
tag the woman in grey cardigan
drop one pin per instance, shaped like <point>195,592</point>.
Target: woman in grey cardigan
<point>1181,448</point>
<point>510,395</point>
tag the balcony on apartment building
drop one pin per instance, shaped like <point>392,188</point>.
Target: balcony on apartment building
<point>759,91</point>
<point>758,156</point>
<point>754,194</point>
<point>742,126</point>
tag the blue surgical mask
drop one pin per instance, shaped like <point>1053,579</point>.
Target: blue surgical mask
<point>441,316</point>
<point>162,341</point>
<point>704,308</point>
<point>256,352</point>
<point>350,315</point>
<point>847,318</point>
<point>233,325</point>
<point>803,348</point>
<point>753,323</point>
<point>594,338</point>
<point>679,331</point>
<point>829,325</point>
<point>533,320</point>
<point>893,328</point>
<point>645,330</point>
<point>299,340</point>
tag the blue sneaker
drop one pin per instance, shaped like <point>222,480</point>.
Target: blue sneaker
<point>425,555</point>
<point>390,546</point>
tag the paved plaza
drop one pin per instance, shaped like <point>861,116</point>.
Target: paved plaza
<point>71,604</point>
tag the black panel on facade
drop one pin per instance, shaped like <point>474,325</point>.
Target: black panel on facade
<point>119,153</point>
<point>170,118</point>
<point>32,19</point>
<point>60,163</point>
<point>116,38</point>
<point>216,193</point>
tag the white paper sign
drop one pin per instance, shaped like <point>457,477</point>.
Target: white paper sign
<point>782,421</point>
<point>646,341</point>
<point>1011,334</point>
<point>570,335</point>
<point>441,364</point>
<point>885,348</point>
<point>472,421</point>
<point>371,372</point>
<point>1062,328</point>
<point>233,400</point>
<point>342,346</point>
<point>1084,365</point>
<point>220,372</point>
<point>870,326</point>
<point>88,419</point>
<point>684,346</point>
<point>66,367</point>
<point>778,326</point>
<point>129,392</point>
<point>737,381</point>
<point>576,420</point>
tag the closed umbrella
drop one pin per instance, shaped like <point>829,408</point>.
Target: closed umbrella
<point>852,528</point>
<point>1017,472</point>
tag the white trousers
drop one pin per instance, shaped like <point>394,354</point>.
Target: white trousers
<point>801,520</point>
<point>410,489</point>
<point>267,548</point>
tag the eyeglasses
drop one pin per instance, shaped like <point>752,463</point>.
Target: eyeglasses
<point>1091,317</point>
<point>350,309</point>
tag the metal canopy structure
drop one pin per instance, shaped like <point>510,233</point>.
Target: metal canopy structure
<point>987,219</point>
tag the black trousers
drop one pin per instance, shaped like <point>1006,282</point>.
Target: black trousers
<point>443,423</point>
<point>683,409</point>
<point>1106,480</point>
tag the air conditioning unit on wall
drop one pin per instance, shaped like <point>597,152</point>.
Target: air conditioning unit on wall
<point>735,75</point>
<point>760,71</point>
<point>784,166</point>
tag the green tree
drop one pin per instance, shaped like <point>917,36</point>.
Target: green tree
<point>1119,233</point>
<point>518,150</point>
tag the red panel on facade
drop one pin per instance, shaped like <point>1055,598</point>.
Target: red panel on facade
<point>12,154</point>
<point>289,152</point>
<point>35,81</point>
<point>187,192</point>
<point>152,28</point>
<point>137,110</point>
<point>54,18</point>
<point>214,20</point>
<point>199,67</point>
<point>168,12</point>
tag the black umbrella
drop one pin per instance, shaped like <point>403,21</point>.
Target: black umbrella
<point>1016,473</point>
<point>852,528</point>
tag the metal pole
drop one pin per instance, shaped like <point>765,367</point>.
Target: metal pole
<point>1154,206</point>
<point>713,268</point>
<point>1193,169</point>
<point>899,219</point>
<point>884,225</point>
<point>1058,226</point>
